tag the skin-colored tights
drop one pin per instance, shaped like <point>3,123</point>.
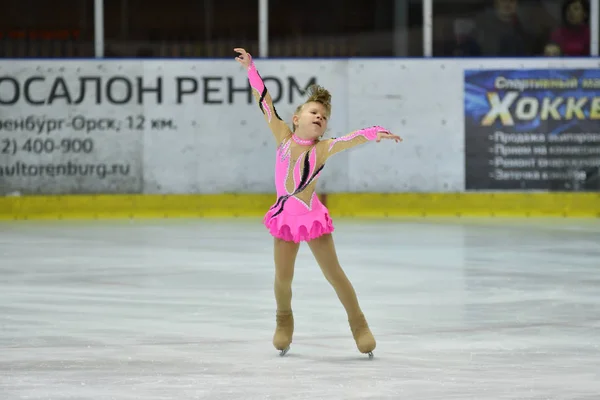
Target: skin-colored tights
<point>324,252</point>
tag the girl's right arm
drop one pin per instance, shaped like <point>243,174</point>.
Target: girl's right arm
<point>278,127</point>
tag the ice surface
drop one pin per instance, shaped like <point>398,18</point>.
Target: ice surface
<point>184,309</point>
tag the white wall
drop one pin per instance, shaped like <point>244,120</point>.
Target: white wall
<point>215,145</point>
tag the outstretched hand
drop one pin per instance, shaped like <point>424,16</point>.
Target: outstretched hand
<point>387,135</point>
<point>244,57</point>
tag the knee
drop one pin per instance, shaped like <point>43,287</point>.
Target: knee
<point>284,277</point>
<point>335,275</point>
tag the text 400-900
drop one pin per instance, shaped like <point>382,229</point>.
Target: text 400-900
<point>47,146</point>
<point>81,123</point>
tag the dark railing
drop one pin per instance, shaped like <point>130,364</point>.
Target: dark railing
<point>369,44</point>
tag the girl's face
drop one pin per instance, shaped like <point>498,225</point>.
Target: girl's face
<point>575,13</point>
<point>311,121</point>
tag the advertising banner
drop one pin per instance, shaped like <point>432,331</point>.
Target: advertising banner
<point>193,126</point>
<point>72,127</point>
<point>531,129</point>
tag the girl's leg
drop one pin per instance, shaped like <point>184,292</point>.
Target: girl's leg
<point>285,258</point>
<point>323,249</point>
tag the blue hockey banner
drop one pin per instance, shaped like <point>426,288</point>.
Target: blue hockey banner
<point>532,129</point>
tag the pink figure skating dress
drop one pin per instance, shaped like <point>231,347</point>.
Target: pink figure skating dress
<point>298,214</point>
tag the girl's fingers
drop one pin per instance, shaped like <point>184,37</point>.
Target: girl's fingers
<point>388,135</point>
<point>243,53</point>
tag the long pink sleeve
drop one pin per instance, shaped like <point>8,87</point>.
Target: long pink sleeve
<point>353,139</point>
<point>278,127</point>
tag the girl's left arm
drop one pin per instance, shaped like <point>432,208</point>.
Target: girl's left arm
<point>330,147</point>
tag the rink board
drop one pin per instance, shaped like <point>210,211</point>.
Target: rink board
<point>340,205</point>
<point>193,127</point>
<point>184,138</point>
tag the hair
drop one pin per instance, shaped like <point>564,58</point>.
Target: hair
<point>552,44</point>
<point>318,94</point>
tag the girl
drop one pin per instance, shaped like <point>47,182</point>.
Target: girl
<point>298,215</point>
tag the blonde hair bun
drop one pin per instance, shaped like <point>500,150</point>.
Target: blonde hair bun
<point>319,93</point>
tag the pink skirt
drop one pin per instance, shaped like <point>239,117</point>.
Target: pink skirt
<point>296,223</point>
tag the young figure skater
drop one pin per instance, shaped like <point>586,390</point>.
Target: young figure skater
<point>298,215</point>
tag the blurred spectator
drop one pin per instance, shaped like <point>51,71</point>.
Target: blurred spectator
<point>573,36</point>
<point>500,32</point>
<point>463,43</point>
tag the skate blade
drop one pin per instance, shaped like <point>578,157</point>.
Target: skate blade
<point>370,354</point>
<point>284,351</point>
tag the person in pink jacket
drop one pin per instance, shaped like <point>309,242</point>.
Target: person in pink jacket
<point>573,37</point>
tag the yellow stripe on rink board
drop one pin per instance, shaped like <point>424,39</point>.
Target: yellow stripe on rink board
<point>134,206</point>
<point>340,204</point>
<point>466,204</point>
